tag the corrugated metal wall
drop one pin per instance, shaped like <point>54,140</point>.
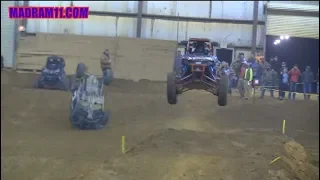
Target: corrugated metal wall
<point>8,30</point>
<point>237,34</point>
<point>296,20</point>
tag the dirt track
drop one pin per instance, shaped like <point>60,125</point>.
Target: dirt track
<point>194,139</point>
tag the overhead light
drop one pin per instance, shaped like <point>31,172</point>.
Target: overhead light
<point>286,37</point>
<point>278,41</point>
<point>275,43</point>
<point>282,37</point>
<point>21,28</point>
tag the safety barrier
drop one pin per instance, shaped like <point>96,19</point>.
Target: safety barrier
<point>256,89</point>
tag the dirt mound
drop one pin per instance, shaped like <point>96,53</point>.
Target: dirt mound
<point>295,160</point>
<point>195,142</point>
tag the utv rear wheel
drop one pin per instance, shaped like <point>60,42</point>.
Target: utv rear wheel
<point>171,88</point>
<point>81,69</point>
<point>65,83</point>
<point>107,76</point>
<point>223,90</point>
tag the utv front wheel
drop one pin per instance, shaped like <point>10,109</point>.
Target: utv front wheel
<point>223,90</point>
<point>171,88</point>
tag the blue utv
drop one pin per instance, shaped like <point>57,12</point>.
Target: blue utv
<point>197,69</point>
<point>53,75</point>
<point>87,103</point>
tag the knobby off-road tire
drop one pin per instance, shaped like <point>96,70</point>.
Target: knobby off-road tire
<point>38,85</point>
<point>80,71</point>
<point>65,83</point>
<point>171,88</point>
<point>107,76</point>
<point>223,91</point>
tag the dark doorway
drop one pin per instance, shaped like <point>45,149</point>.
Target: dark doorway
<point>224,55</point>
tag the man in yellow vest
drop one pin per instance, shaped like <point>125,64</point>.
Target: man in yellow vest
<point>247,81</point>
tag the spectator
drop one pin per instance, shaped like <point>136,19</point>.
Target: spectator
<point>179,54</point>
<point>240,82</point>
<point>252,59</point>
<point>267,81</point>
<point>247,80</point>
<point>241,56</point>
<point>105,60</point>
<point>294,74</point>
<point>236,65</point>
<point>307,80</point>
<point>275,79</point>
<point>274,62</point>
<point>284,84</point>
<point>259,57</point>
<point>256,68</point>
<point>264,65</point>
<point>283,66</point>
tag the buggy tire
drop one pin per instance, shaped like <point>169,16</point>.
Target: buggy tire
<point>223,90</point>
<point>80,71</point>
<point>171,88</point>
<point>107,76</point>
<point>38,85</point>
<point>65,83</point>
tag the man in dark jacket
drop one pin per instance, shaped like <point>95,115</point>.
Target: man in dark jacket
<point>106,67</point>
<point>307,79</point>
<point>267,81</point>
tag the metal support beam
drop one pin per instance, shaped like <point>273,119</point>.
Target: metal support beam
<point>174,18</point>
<point>139,18</point>
<point>265,13</point>
<point>254,27</point>
<point>210,9</point>
<point>24,21</point>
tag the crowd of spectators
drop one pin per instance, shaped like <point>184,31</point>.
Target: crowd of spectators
<point>255,71</point>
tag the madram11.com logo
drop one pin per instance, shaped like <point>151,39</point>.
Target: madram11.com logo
<point>54,12</point>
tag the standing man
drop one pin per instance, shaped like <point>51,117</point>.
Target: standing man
<point>294,74</point>
<point>241,81</point>
<point>247,80</point>
<point>283,66</point>
<point>307,80</point>
<point>274,62</point>
<point>284,83</point>
<point>267,81</point>
<point>275,79</point>
<point>105,64</point>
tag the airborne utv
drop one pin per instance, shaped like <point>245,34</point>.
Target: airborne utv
<point>197,69</point>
